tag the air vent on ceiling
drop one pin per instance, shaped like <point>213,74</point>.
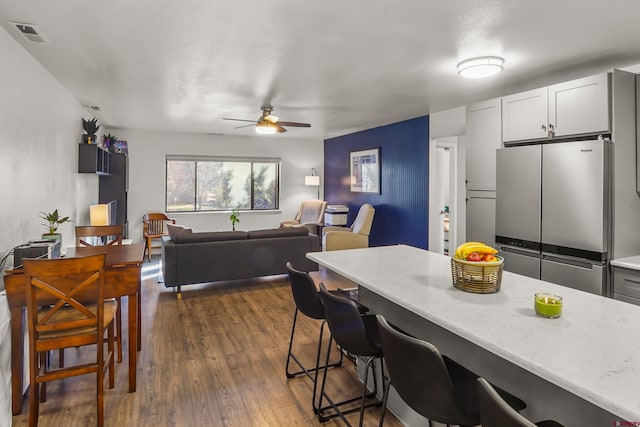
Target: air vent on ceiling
<point>30,32</point>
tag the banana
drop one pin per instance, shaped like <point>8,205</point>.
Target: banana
<point>480,248</point>
<point>462,247</point>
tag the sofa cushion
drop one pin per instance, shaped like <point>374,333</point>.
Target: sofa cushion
<point>277,232</point>
<point>212,236</point>
<point>174,230</point>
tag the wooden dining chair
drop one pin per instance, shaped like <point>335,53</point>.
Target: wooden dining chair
<point>154,227</point>
<point>107,235</point>
<point>66,308</point>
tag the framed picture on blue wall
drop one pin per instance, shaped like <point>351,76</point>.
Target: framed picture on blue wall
<point>365,171</point>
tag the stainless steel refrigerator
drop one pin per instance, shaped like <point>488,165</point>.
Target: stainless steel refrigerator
<point>553,210</point>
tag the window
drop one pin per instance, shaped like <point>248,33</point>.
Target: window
<point>196,184</point>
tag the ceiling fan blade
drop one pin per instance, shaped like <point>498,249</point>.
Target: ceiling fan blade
<point>279,128</point>
<point>244,126</point>
<point>239,120</point>
<point>295,124</point>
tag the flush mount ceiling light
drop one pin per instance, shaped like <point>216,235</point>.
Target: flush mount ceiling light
<point>480,67</point>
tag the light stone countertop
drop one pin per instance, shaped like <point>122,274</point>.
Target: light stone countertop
<point>632,262</point>
<point>596,347</point>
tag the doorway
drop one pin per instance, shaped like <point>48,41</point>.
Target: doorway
<point>446,188</point>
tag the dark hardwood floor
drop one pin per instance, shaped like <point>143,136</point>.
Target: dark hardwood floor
<point>214,358</point>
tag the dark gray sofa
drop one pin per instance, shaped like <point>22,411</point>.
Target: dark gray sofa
<point>228,255</point>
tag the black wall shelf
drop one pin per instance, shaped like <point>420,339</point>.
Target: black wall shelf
<point>93,159</point>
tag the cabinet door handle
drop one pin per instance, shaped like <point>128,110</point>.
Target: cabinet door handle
<point>544,128</point>
<point>551,129</point>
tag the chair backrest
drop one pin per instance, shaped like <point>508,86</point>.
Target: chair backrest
<point>346,324</point>
<point>420,376</point>
<point>305,293</point>
<point>494,411</point>
<point>116,232</point>
<point>364,220</point>
<point>52,284</point>
<point>153,224</point>
<point>311,211</point>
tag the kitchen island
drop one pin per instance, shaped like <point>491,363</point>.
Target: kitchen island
<point>581,369</point>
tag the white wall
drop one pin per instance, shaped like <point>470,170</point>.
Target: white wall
<point>40,127</point>
<point>447,123</point>
<point>147,154</point>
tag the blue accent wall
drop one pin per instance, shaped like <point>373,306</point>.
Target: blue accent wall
<point>402,207</point>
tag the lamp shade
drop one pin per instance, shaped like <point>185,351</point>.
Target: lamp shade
<point>99,214</point>
<point>313,180</point>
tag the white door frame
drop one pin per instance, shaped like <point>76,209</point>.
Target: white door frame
<point>457,211</point>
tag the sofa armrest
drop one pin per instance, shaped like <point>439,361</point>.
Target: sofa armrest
<point>289,223</point>
<point>338,240</point>
<point>169,268</point>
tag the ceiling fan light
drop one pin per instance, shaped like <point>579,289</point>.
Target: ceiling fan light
<point>480,67</point>
<point>264,127</point>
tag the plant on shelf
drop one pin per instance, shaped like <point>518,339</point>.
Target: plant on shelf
<point>108,141</point>
<point>234,218</point>
<point>54,220</point>
<point>91,128</point>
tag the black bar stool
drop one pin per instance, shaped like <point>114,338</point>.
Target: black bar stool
<point>433,385</point>
<point>495,412</point>
<point>307,299</point>
<point>357,334</point>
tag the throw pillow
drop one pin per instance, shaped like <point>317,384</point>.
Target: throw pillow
<point>174,230</point>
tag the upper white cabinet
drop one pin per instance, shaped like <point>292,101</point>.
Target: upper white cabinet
<point>525,115</point>
<point>483,136</point>
<point>571,108</point>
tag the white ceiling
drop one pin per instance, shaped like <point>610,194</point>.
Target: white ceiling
<point>340,65</point>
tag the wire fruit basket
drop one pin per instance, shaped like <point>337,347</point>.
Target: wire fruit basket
<point>477,277</point>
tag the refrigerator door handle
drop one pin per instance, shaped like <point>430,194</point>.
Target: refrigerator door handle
<point>520,251</point>
<point>568,260</point>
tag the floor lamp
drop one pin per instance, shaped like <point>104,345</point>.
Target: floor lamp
<point>313,180</point>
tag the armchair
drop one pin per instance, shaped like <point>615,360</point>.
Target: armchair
<point>356,236</point>
<point>154,226</point>
<point>310,215</point>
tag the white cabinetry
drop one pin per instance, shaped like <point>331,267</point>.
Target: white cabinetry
<point>572,108</point>
<point>525,115</point>
<point>626,285</point>
<point>481,217</point>
<point>483,138</point>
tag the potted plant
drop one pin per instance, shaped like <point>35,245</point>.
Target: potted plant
<point>53,222</point>
<point>108,141</point>
<point>235,218</point>
<point>90,127</point>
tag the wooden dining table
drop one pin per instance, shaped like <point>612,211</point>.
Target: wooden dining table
<point>122,278</point>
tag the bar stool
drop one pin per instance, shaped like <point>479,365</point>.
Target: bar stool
<point>433,385</point>
<point>307,299</point>
<point>495,412</point>
<point>357,334</point>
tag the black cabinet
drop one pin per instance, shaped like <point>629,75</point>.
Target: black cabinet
<point>93,159</point>
<point>115,187</point>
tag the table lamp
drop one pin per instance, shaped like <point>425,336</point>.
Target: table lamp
<point>99,214</point>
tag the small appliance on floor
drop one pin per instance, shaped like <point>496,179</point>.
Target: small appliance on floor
<point>336,215</point>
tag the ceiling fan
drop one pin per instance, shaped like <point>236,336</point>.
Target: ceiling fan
<point>268,123</point>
